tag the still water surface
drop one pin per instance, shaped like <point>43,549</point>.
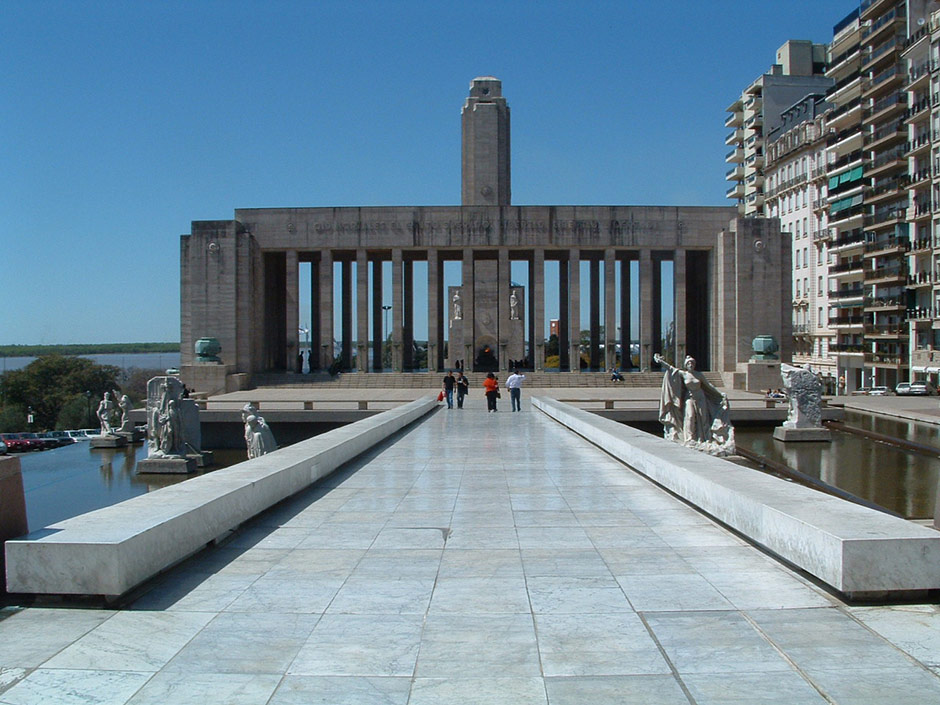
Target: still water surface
<point>897,479</point>
<point>125,361</point>
<point>69,481</point>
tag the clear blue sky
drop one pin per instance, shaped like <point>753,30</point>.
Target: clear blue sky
<point>122,122</point>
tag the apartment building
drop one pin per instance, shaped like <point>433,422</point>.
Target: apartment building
<point>921,53</point>
<point>798,72</point>
<point>845,187</point>
<point>795,192</point>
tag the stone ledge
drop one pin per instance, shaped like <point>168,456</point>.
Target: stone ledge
<point>860,552</point>
<point>109,551</point>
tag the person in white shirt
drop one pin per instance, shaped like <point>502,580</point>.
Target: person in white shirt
<point>514,385</point>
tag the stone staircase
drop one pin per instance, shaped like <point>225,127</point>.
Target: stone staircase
<point>424,380</point>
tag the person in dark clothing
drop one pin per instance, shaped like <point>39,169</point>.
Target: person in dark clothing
<point>449,384</point>
<point>463,387</point>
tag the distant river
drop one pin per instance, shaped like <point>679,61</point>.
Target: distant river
<point>143,361</point>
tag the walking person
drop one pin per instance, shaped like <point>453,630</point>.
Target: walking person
<point>514,385</point>
<point>463,388</point>
<point>448,387</point>
<point>492,391</point>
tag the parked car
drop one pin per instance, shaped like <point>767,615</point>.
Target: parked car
<point>3,448</point>
<point>878,391</point>
<point>861,391</point>
<point>19,443</point>
<point>903,389</point>
<point>60,438</point>
<point>45,443</point>
<point>78,435</point>
<point>923,389</point>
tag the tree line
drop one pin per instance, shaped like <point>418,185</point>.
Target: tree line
<point>87,349</point>
<point>62,392</point>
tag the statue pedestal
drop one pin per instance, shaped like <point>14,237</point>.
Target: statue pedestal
<point>132,436</point>
<point>109,441</point>
<point>166,466</point>
<point>762,375</point>
<point>202,459</point>
<point>786,435</point>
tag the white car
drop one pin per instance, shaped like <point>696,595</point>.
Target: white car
<point>879,391</point>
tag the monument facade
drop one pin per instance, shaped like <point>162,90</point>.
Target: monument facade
<point>241,282</point>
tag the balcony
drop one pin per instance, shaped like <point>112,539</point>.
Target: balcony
<point>920,280</point>
<point>883,359</point>
<point>919,313</point>
<point>736,191</point>
<point>885,136</point>
<point>853,265</point>
<point>889,78</point>
<point>925,358</point>
<point>847,241</point>
<point>735,155</point>
<point>886,216</point>
<point>890,274</point>
<point>882,108</point>
<point>735,137</point>
<point>884,303</point>
<point>848,348</point>
<point>920,210</point>
<point>846,321</point>
<point>736,119</point>
<point>854,292</point>
<point>921,244</point>
<point>919,144</point>
<point>921,106</point>
<point>735,174</point>
<point>919,75</point>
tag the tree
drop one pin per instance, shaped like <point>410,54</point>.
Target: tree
<point>551,347</point>
<point>47,383</point>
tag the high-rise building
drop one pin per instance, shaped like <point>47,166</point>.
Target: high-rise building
<point>845,186</point>
<point>798,72</point>
<point>921,51</point>
<point>795,158</point>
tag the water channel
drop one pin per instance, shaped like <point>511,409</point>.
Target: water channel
<point>69,481</point>
<point>76,479</point>
<point>900,480</point>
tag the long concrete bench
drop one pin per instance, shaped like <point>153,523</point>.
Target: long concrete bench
<point>109,551</point>
<point>860,552</point>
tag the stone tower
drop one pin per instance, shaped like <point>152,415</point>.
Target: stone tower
<point>485,141</point>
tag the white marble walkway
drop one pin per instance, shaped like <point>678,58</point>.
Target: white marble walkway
<point>482,558</point>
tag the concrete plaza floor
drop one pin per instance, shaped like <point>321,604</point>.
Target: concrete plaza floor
<point>479,558</point>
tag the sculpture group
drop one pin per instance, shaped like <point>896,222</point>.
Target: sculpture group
<point>693,411</point>
<point>115,417</point>
<point>804,419</point>
<point>258,437</point>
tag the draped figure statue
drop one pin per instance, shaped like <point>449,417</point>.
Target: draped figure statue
<point>693,411</point>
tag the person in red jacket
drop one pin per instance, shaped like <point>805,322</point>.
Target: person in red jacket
<point>491,385</point>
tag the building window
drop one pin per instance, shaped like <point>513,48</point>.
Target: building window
<point>819,286</point>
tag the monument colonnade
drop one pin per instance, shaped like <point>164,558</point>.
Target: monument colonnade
<point>241,283</point>
<point>609,320</point>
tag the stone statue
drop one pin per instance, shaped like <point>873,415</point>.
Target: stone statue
<point>804,419</point>
<point>693,411</point>
<point>127,426</point>
<point>513,306</point>
<point>164,424</point>
<point>458,307</point>
<point>804,387</point>
<point>258,437</point>
<point>105,410</point>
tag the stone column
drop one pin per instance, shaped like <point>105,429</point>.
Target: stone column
<point>397,313</point>
<point>502,295</point>
<point>679,297</point>
<point>346,335</point>
<point>408,316</point>
<point>435,294</point>
<point>362,311</point>
<point>378,318</point>
<point>537,306</point>
<point>594,324</point>
<point>326,309</point>
<point>646,309</point>
<point>292,309</point>
<point>574,309</point>
<point>469,318</point>
<point>610,309</point>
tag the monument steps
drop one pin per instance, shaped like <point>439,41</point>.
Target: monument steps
<point>424,380</point>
